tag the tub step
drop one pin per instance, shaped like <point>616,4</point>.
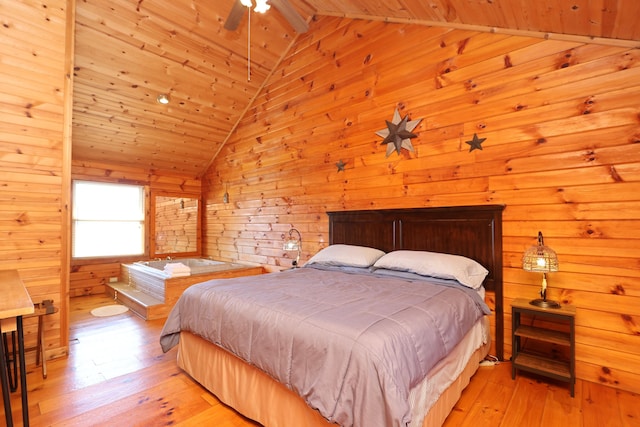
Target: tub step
<point>144,305</point>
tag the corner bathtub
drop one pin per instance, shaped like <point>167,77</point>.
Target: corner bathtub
<point>197,265</point>
<point>154,293</point>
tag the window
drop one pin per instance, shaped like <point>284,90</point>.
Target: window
<point>108,219</point>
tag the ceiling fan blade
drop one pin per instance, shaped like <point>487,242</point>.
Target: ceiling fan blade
<point>291,15</point>
<point>233,20</point>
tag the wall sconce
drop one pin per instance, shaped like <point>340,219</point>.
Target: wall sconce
<point>225,196</point>
<point>163,99</point>
<point>293,244</point>
<point>541,259</point>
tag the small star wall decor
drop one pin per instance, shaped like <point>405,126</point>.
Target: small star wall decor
<point>340,165</point>
<point>475,143</point>
<point>398,133</point>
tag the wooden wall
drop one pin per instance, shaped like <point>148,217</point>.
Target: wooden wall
<point>176,226</point>
<point>89,277</point>
<point>562,126</point>
<point>35,88</point>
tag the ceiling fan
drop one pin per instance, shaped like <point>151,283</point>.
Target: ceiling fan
<point>284,7</point>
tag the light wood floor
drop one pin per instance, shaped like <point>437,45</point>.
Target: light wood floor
<point>116,375</point>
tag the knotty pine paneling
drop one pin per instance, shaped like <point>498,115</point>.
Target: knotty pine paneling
<point>129,52</point>
<point>562,126</point>
<point>176,227</point>
<point>594,18</point>
<point>90,277</point>
<point>34,158</point>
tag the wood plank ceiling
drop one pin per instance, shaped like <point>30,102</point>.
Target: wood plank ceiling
<point>127,53</point>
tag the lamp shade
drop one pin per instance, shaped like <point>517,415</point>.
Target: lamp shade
<point>293,243</point>
<point>540,258</point>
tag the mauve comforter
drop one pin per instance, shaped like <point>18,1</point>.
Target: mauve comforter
<point>352,345</point>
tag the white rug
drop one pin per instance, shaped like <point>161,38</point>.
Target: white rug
<point>109,310</point>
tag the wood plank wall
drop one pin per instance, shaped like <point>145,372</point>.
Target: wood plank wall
<point>89,277</point>
<point>34,152</point>
<point>561,122</point>
<point>176,227</point>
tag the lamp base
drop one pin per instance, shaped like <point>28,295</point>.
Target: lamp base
<point>544,303</point>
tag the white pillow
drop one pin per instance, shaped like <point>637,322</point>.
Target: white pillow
<point>347,255</point>
<point>444,266</point>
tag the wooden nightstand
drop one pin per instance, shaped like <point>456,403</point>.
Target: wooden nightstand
<point>560,332</point>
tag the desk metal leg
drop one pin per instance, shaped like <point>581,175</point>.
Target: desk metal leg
<point>11,359</point>
<point>5,385</point>
<point>23,373</point>
<point>40,347</point>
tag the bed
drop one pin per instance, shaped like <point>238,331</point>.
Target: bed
<point>343,376</point>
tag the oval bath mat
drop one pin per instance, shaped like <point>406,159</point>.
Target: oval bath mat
<point>109,310</point>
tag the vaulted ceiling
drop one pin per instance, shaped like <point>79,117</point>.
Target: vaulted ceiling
<point>127,53</point>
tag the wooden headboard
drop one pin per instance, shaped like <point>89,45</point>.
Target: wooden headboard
<point>471,231</point>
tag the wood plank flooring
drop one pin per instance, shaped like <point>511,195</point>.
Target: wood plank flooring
<point>117,375</point>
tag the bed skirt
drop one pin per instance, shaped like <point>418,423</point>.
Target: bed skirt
<point>259,397</point>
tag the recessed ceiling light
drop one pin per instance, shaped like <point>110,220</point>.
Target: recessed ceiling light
<point>163,98</point>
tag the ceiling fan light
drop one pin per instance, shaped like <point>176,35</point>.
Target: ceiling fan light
<point>246,3</point>
<point>262,6</point>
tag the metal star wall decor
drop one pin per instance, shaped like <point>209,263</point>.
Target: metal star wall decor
<point>340,165</point>
<point>398,133</point>
<point>475,143</point>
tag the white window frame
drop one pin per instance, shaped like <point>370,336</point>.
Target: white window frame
<point>101,227</point>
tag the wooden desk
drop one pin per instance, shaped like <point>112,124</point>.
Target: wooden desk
<point>15,303</point>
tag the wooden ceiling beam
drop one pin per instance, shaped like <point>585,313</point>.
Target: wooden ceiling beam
<point>632,44</point>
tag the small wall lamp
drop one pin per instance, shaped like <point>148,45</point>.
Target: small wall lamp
<point>293,244</point>
<point>541,259</point>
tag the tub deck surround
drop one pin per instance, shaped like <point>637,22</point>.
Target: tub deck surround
<point>151,293</point>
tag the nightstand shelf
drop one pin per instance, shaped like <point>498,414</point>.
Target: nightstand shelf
<point>532,359</point>
<point>546,335</point>
<point>544,365</point>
